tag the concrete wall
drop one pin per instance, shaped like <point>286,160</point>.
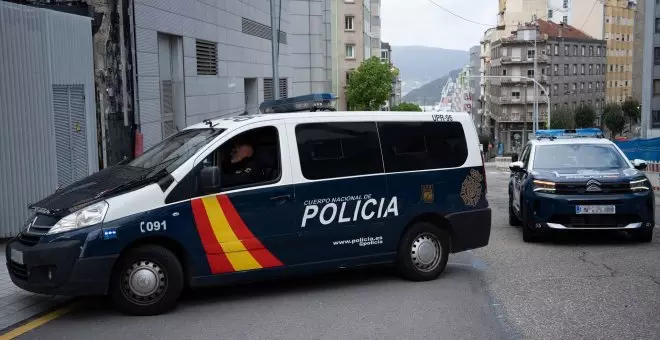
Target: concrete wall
<point>240,55</point>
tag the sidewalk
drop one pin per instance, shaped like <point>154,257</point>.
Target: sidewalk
<point>17,305</point>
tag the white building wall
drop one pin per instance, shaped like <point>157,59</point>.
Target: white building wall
<point>240,55</point>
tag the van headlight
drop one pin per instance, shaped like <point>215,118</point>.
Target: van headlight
<point>640,185</point>
<point>89,215</point>
<point>544,186</point>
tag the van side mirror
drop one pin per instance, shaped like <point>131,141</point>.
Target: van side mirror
<point>210,177</point>
<point>639,164</point>
<point>516,166</point>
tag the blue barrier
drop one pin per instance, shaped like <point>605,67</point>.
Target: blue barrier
<point>646,149</point>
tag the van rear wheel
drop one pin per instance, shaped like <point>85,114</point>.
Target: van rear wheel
<point>147,280</point>
<point>423,252</point>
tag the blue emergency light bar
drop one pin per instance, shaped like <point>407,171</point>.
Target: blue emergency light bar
<point>308,102</point>
<point>570,133</point>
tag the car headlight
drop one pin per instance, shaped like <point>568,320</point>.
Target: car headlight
<point>544,186</point>
<point>640,185</point>
<point>84,217</point>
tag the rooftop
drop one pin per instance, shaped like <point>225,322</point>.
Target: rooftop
<point>562,30</point>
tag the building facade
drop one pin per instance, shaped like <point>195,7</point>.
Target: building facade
<point>474,80</point>
<point>570,66</point>
<point>611,20</point>
<point>352,41</point>
<point>651,71</point>
<point>386,57</point>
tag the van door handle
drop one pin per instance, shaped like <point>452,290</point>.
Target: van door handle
<point>281,198</point>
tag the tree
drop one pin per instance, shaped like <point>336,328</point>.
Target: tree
<point>631,110</point>
<point>406,107</point>
<point>370,85</point>
<point>613,118</point>
<point>585,116</point>
<point>562,118</point>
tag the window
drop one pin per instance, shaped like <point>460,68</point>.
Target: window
<point>591,51</point>
<point>566,88</point>
<point>611,68</point>
<point>556,49</point>
<point>581,87</point>
<point>574,69</point>
<point>515,94</point>
<point>564,19</point>
<point>574,87</point>
<point>575,50</point>
<point>655,119</point>
<point>598,50</point>
<point>656,55</point>
<point>555,69</point>
<point>549,14</point>
<point>591,69</point>
<point>331,150</point>
<point>565,5</point>
<point>268,88</point>
<point>422,145</point>
<point>566,50</point>
<point>554,89</point>
<point>597,85</point>
<point>657,25</point>
<point>263,150</point>
<point>207,58</point>
<point>582,50</point>
<point>349,22</point>
<point>530,54</point>
<point>350,51</point>
<point>504,72</point>
<point>582,69</point>
<point>530,73</point>
<point>566,69</point>
<point>597,69</point>
<point>656,87</point>
<point>589,87</point>
<point>604,68</point>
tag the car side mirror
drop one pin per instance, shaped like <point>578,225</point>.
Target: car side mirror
<point>210,177</point>
<point>514,157</point>
<point>516,166</point>
<point>639,164</point>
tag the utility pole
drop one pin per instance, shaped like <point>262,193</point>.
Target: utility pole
<point>535,115</point>
<point>275,43</point>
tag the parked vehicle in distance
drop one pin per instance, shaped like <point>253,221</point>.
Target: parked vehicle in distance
<point>577,180</point>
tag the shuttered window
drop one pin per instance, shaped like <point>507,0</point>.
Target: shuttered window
<point>268,88</point>
<point>207,58</point>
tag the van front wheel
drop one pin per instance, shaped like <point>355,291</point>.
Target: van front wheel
<point>147,281</point>
<point>423,252</point>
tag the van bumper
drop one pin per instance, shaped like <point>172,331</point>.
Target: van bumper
<point>57,269</point>
<point>470,229</point>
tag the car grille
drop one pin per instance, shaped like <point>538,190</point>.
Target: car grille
<point>18,270</point>
<point>39,226</point>
<point>605,221</point>
<point>581,188</point>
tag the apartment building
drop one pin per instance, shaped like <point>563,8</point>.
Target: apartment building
<point>352,41</point>
<point>386,57</point>
<point>611,20</point>
<point>571,67</point>
<point>650,70</point>
<point>475,88</point>
<point>484,82</point>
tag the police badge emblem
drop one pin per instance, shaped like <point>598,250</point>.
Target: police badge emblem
<point>471,188</point>
<point>427,193</point>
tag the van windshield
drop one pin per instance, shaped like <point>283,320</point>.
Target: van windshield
<point>174,150</point>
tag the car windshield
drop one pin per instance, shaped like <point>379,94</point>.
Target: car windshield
<point>578,156</point>
<point>171,152</point>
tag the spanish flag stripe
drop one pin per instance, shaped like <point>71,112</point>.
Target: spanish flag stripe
<point>242,232</point>
<point>237,254</point>
<point>218,262</point>
<point>261,254</point>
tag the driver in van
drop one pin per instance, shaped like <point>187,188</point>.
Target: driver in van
<point>242,167</point>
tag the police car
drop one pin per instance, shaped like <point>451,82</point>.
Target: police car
<point>327,190</point>
<point>577,180</point>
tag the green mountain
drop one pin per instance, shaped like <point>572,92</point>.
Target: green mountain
<point>430,93</point>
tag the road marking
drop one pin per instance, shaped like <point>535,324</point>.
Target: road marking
<point>40,321</point>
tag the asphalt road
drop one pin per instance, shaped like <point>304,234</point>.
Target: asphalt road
<point>582,286</point>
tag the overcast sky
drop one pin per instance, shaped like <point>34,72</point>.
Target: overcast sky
<point>419,22</point>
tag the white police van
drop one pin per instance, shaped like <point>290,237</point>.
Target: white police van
<point>318,191</point>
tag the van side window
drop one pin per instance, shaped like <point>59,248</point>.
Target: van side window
<point>409,146</point>
<point>525,155</point>
<point>331,150</point>
<point>248,159</point>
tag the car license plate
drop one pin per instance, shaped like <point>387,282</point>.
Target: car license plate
<point>595,209</point>
<point>16,256</point>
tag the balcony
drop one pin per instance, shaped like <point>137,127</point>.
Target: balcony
<point>541,78</point>
<point>507,60</point>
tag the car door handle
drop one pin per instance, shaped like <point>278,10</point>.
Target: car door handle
<point>281,198</point>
